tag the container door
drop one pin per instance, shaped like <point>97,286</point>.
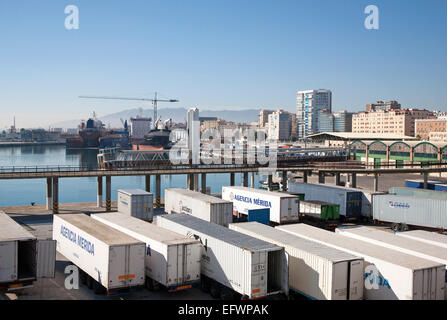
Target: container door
<point>8,261</point>
<point>135,264</point>
<point>356,282</point>
<point>192,262</point>
<point>46,258</point>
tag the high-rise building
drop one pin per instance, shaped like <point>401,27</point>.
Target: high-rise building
<point>308,105</point>
<point>384,106</point>
<point>279,126</point>
<point>401,122</point>
<point>194,134</point>
<point>264,117</point>
<point>343,121</point>
<point>325,121</point>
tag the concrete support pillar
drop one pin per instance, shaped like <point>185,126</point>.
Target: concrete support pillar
<point>245,181</point>
<point>367,155</point>
<point>253,179</point>
<point>49,194</point>
<point>337,179</point>
<point>354,180</point>
<point>284,181</point>
<point>376,182</point>
<point>305,176</point>
<point>425,180</point>
<point>387,155</point>
<point>321,177</point>
<point>203,189</point>
<point>147,179</point>
<point>411,156</point>
<point>99,195</point>
<point>108,193</point>
<point>270,182</point>
<point>190,182</point>
<point>196,182</point>
<point>55,195</point>
<point>232,179</point>
<point>157,191</point>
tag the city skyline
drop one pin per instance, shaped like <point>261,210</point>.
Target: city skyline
<point>250,56</point>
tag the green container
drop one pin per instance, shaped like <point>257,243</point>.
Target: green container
<point>330,212</point>
<point>321,210</point>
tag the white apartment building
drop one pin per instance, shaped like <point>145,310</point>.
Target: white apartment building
<point>308,106</point>
<point>279,126</point>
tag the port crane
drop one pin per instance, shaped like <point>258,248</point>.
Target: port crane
<point>154,101</point>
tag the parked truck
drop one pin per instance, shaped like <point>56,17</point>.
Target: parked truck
<point>172,259</point>
<point>233,264</point>
<point>197,204</point>
<point>24,258</point>
<point>109,260</point>
<point>389,274</point>
<point>136,203</point>
<point>283,207</point>
<point>316,271</point>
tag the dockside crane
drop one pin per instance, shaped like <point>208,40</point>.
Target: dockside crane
<point>154,101</point>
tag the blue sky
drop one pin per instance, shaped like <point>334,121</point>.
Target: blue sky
<point>217,54</point>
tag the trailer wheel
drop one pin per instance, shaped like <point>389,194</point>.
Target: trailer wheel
<point>82,277</point>
<point>97,288</point>
<point>404,227</point>
<point>395,227</point>
<point>90,282</point>
<point>149,284</point>
<point>226,294</point>
<point>215,291</point>
<point>156,285</point>
<point>204,285</point>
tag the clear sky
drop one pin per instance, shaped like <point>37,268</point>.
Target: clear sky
<point>217,54</point>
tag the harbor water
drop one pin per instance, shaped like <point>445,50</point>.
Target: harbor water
<point>22,192</point>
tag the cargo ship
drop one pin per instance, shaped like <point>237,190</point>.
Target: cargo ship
<point>156,139</point>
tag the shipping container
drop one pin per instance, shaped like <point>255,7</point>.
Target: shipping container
<point>112,259</point>
<point>233,262</point>
<point>136,203</point>
<point>349,200</point>
<point>419,184</point>
<point>172,260</point>
<point>320,210</point>
<point>197,204</point>
<point>441,187</point>
<point>315,270</point>
<point>259,215</point>
<point>283,207</point>
<point>391,241</point>
<point>23,257</point>
<point>413,211</point>
<point>432,238</point>
<point>418,193</point>
<point>389,274</point>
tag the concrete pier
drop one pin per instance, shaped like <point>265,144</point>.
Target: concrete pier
<point>305,176</point>
<point>157,190</point>
<point>245,181</point>
<point>99,196</point>
<point>232,179</point>
<point>148,182</point>
<point>337,179</point>
<point>49,204</point>
<point>321,177</point>
<point>376,182</point>
<point>425,180</point>
<point>196,182</point>
<point>55,195</point>
<point>270,182</point>
<point>354,180</point>
<point>284,181</point>
<point>252,179</point>
<point>108,193</point>
<point>203,182</point>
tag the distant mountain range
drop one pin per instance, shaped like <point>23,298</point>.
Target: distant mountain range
<point>176,114</point>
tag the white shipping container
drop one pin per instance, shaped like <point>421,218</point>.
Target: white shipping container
<point>110,257</point>
<point>283,207</point>
<point>410,210</point>
<point>197,204</point>
<point>432,238</point>
<point>171,258</point>
<point>136,203</point>
<point>315,270</point>
<point>23,257</point>
<point>349,200</point>
<point>249,266</point>
<point>389,274</point>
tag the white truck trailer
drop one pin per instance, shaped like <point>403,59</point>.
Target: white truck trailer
<point>316,271</point>
<point>108,259</point>
<point>389,274</point>
<point>136,203</point>
<point>233,265</point>
<point>23,257</point>
<point>197,204</point>
<point>172,259</point>
<point>283,207</point>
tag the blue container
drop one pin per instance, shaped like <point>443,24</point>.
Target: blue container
<point>441,187</point>
<point>259,215</point>
<point>419,184</point>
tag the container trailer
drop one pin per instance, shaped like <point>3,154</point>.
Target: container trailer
<point>24,258</point>
<point>401,244</point>
<point>349,200</point>
<point>316,271</point>
<point>432,238</point>
<point>108,259</point>
<point>283,207</point>
<point>320,210</point>
<point>136,203</point>
<point>418,193</point>
<point>172,259</point>
<point>197,204</point>
<point>404,211</point>
<point>389,274</point>
<point>233,264</point>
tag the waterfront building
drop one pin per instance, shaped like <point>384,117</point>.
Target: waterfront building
<point>308,105</point>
